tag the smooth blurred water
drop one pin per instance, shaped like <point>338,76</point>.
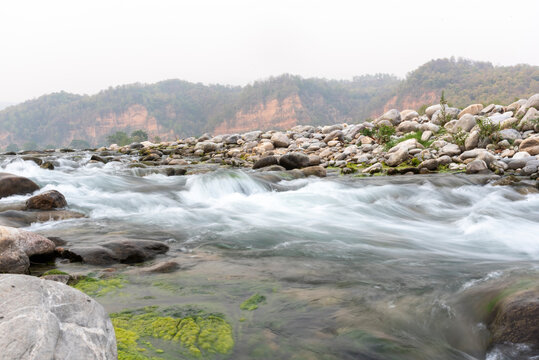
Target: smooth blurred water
<point>391,263</point>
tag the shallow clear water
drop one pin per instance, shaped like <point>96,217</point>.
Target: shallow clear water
<point>385,268</point>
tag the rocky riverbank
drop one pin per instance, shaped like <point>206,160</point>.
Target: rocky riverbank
<point>476,139</point>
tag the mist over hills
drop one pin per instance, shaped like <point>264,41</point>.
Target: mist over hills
<point>176,108</point>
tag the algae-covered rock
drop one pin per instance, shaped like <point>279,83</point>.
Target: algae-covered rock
<point>141,333</point>
<point>253,302</point>
<point>98,287</point>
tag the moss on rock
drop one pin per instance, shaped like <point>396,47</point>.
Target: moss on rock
<point>198,333</point>
<point>99,287</point>
<point>253,302</point>
<point>54,272</point>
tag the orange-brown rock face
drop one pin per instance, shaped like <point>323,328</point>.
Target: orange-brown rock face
<point>410,102</point>
<point>272,115</point>
<point>136,117</point>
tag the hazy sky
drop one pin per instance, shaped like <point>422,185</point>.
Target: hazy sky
<point>86,46</point>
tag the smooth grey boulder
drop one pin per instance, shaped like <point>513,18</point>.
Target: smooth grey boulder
<point>533,101</point>
<point>266,161</point>
<point>294,161</point>
<point>477,167</point>
<point>15,185</point>
<point>392,116</point>
<point>397,157</point>
<point>47,320</point>
<point>16,247</point>
<point>509,134</point>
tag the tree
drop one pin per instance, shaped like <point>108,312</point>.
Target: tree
<point>119,137</point>
<point>30,145</point>
<point>79,144</point>
<point>139,135</point>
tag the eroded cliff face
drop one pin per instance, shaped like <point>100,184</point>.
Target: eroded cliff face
<point>136,117</point>
<point>410,102</point>
<point>274,114</point>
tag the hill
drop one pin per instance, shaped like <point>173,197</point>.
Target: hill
<point>176,108</point>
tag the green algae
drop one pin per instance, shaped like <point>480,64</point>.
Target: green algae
<point>191,332</point>
<point>99,287</point>
<point>253,302</point>
<point>54,272</point>
<point>513,289</point>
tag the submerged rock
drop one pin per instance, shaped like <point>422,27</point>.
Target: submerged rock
<point>44,319</point>
<point>17,246</point>
<point>125,251</point>
<point>516,319</point>
<point>16,185</point>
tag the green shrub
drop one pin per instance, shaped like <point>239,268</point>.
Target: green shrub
<point>460,137</point>
<point>487,128</point>
<point>384,133</point>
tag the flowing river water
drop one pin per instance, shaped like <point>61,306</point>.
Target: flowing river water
<point>351,268</point>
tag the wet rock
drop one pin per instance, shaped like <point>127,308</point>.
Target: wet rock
<point>318,171</point>
<point>47,165</point>
<point>15,218</point>
<point>294,161</point>
<point>51,199</point>
<point>373,169</point>
<point>36,160</point>
<point>15,185</point>
<point>125,251</point>
<point>162,268</point>
<point>44,319</point>
<point>507,180</point>
<point>175,171</point>
<point>516,319</point>
<point>266,161</point>
<point>17,246</point>
<point>477,167</point>
<point>98,159</point>
<point>530,145</point>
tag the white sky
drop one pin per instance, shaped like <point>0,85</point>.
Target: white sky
<point>86,46</point>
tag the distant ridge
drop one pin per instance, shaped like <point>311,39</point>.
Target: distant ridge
<point>176,108</point>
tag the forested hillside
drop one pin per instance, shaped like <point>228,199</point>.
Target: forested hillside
<point>176,108</point>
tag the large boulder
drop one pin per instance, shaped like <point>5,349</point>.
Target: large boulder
<point>408,115</point>
<point>398,157</point>
<point>530,120</point>
<point>533,102</point>
<point>530,145</point>
<point>393,116</point>
<point>408,126</point>
<point>206,146</point>
<point>126,251</point>
<point>17,246</point>
<point>477,167</point>
<point>465,123</point>
<point>15,185</point>
<point>516,319</point>
<point>51,199</point>
<point>294,161</point>
<point>43,319</point>
<point>266,161</point>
